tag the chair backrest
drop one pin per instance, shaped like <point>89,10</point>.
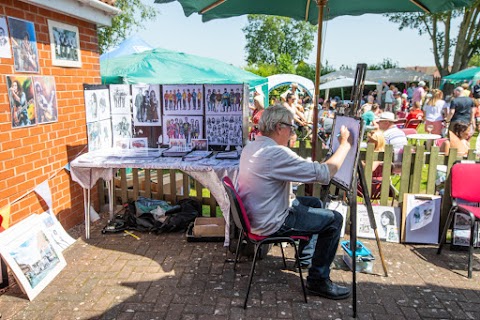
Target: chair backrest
<point>400,123</point>
<point>413,123</point>
<point>465,182</point>
<point>401,114</point>
<point>237,208</point>
<point>408,131</point>
<point>439,142</point>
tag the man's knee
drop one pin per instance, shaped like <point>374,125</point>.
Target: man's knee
<point>337,219</point>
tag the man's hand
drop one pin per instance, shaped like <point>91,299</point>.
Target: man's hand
<point>345,136</point>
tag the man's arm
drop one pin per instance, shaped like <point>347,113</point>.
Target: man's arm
<point>336,160</point>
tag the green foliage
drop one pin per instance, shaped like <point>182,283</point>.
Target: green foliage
<point>270,37</point>
<point>474,61</point>
<point>448,50</point>
<point>134,14</point>
<point>285,64</point>
<point>262,69</point>
<point>387,63</point>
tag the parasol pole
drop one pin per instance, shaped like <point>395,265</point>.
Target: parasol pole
<point>321,5</point>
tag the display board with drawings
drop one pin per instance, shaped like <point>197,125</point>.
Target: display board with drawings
<point>344,176</point>
<point>421,218</point>
<point>226,115</point>
<point>98,114</point>
<point>182,99</point>
<point>388,220</point>
<point>461,228</point>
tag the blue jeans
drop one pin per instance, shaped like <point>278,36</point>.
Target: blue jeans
<point>307,217</point>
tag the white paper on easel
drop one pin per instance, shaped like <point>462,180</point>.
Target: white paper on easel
<point>422,214</point>
<point>43,190</point>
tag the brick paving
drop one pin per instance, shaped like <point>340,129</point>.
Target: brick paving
<point>165,277</point>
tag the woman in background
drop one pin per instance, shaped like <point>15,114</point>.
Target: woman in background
<point>458,136</point>
<point>433,112</point>
<point>258,109</point>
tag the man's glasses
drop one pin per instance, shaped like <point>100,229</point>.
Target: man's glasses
<point>292,126</point>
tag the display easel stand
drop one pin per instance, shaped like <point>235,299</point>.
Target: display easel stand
<point>352,202</point>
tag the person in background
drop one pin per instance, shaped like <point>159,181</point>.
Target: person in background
<point>378,139</point>
<point>457,139</point>
<point>369,116</point>
<point>257,113</point>
<point>389,98</point>
<point>367,106</point>
<point>461,109</point>
<point>397,102</point>
<point>433,112</point>
<point>419,93</point>
<point>393,135</point>
<point>415,112</point>
<point>405,104</point>
<point>476,90</point>
<point>466,90</point>
<point>293,91</point>
<point>267,168</point>
<point>410,91</point>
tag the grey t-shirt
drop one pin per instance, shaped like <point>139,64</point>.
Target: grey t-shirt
<point>264,182</point>
<point>463,109</point>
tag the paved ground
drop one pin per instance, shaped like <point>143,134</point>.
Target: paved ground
<point>166,277</point>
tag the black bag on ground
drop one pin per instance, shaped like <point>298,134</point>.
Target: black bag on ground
<point>181,215</point>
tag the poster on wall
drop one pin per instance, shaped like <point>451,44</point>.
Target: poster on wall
<point>24,45</point>
<point>146,105</point>
<point>99,134</point>
<point>224,99</point>
<point>120,99</point>
<point>31,254</point>
<point>97,102</point>
<point>21,99</point>
<point>224,130</point>
<point>65,44</point>
<point>46,99</point>
<point>182,127</point>
<point>388,220</point>
<point>182,99</point>
<point>5,50</point>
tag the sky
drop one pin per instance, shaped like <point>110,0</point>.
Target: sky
<point>347,40</point>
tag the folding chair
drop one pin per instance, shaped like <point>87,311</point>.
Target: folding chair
<point>242,222</point>
<point>465,186</point>
<point>413,123</point>
<point>400,123</point>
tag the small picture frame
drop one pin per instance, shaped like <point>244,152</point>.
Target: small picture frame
<point>65,44</point>
<point>199,144</point>
<point>178,144</point>
<point>138,143</point>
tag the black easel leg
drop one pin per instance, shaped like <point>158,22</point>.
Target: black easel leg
<point>352,199</point>
<point>371,217</point>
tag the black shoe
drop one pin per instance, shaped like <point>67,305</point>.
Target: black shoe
<point>327,289</point>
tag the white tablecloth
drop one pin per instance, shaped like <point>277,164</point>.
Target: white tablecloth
<point>89,167</point>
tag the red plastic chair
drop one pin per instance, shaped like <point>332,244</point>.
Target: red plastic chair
<point>465,186</point>
<point>413,123</point>
<point>408,131</point>
<point>400,123</point>
<point>439,142</point>
<point>240,217</point>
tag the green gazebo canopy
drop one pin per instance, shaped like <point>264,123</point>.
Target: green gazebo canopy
<point>160,66</point>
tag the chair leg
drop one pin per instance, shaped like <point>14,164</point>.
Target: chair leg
<point>445,228</point>
<point>470,249</point>
<point>297,259</point>
<point>283,256</point>
<point>252,271</point>
<point>237,252</point>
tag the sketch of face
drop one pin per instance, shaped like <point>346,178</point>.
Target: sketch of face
<point>385,219</point>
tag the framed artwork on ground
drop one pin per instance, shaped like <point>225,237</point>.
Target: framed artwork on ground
<point>421,218</point>
<point>34,257</point>
<point>24,45</point>
<point>65,44</point>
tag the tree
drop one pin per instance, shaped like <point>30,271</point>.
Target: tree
<point>438,26</point>
<point>387,63</point>
<point>134,14</point>
<point>270,37</point>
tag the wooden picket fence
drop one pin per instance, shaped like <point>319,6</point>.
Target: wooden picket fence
<point>416,174</point>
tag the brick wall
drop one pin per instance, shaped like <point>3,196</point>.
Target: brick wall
<point>31,155</point>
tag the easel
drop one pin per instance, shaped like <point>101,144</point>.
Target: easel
<point>359,176</point>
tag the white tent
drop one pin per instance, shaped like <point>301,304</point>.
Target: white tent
<point>379,76</point>
<point>285,79</point>
<point>341,83</point>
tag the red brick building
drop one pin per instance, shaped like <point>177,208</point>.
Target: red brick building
<point>34,154</point>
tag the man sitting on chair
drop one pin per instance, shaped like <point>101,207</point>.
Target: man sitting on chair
<point>267,168</point>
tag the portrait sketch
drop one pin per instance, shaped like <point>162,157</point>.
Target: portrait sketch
<point>45,99</point>
<point>224,99</point>
<point>24,45</point>
<point>31,254</point>
<point>120,99</point>
<point>97,103</point>
<point>146,105</point>
<point>65,44</point>
<point>22,101</point>
<point>388,219</point>
<point>99,134</point>
<point>5,49</point>
<point>121,127</point>
<point>182,99</point>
